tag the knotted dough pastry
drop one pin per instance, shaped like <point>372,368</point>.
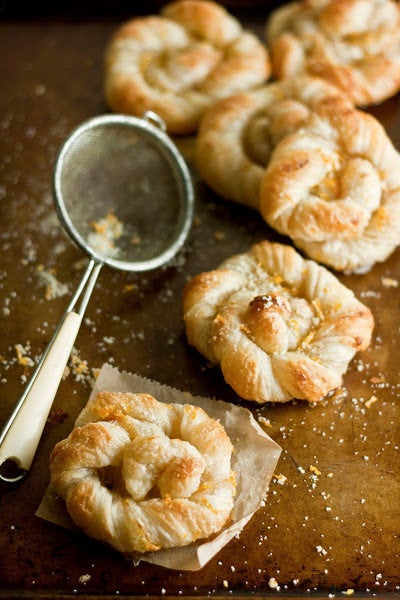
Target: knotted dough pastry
<point>179,62</point>
<point>334,188</point>
<point>280,326</point>
<point>238,134</point>
<point>355,44</point>
<point>142,475</point>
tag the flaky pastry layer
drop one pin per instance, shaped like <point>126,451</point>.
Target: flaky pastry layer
<point>355,44</point>
<point>279,326</point>
<point>179,62</point>
<point>333,187</point>
<point>238,134</point>
<point>141,475</point>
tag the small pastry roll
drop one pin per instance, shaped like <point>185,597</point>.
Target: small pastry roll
<point>334,188</point>
<point>355,44</point>
<point>238,134</point>
<point>141,475</point>
<point>279,326</point>
<point>179,62</point>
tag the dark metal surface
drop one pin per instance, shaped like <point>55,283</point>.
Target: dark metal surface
<point>322,533</point>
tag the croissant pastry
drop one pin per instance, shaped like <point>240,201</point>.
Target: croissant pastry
<point>334,189</point>
<point>355,44</point>
<point>238,134</point>
<point>141,475</point>
<point>179,62</point>
<point>280,326</point>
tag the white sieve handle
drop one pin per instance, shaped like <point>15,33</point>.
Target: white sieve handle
<point>21,434</point>
<point>22,437</point>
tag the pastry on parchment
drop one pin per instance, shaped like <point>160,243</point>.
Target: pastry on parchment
<point>238,134</point>
<point>355,44</point>
<point>279,326</point>
<point>333,187</point>
<point>141,475</point>
<point>179,62</point>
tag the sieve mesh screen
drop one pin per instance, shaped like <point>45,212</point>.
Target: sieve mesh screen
<point>122,192</point>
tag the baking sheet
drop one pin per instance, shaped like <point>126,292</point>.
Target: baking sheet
<point>330,523</point>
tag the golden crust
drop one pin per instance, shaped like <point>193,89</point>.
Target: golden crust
<point>179,62</point>
<point>280,326</point>
<point>354,44</point>
<point>238,134</point>
<point>142,475</point>
<point>333,188</point>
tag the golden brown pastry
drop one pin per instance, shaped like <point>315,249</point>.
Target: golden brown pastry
<point>280,326</point>
<point>355,44</point>
<point>142,475</point>
<point>334,188</point>
<point>238,134</point>
<point>179,62</point>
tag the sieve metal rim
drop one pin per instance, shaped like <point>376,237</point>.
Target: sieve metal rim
<point>157,132</point>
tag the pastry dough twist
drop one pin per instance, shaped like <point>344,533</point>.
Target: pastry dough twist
<point>179,62</point>
<point>142,475</point>
<point>355,44</point>
<point>238,134</point>
<point>280,327</point>
<point>334,188</point>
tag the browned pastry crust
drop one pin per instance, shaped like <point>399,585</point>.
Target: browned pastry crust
<point>280,326</point>
<point>238,134</point>
<point>334,188</point>
<point>179,62</point>
<point>142,475</point>
<point>355,44</point>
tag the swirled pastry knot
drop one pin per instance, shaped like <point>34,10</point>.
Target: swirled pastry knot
<point>334,188</point>
<point>237,135</point>
<point>280,326</point>
<point>142,475</point>
<point>179,62</point>
<point>355,44</point>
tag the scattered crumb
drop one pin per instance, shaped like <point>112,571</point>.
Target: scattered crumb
<point>106,232</point>
<point>281,479</point>
<point>314,470</point>
<point>54,289</point>
<point>130,287</point>
<point>80,369</point>
<point>371,401</point>
<point>57,416</point>
<point>22,355</point>
<point>273,584</point>
<point>321,550</point>
<point>388,282</point>
<point>265,422</point>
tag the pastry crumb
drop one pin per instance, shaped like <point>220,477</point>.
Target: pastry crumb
<point>22,355</point>
<point>389,282</point>
<point>54,288</point>
<point>105,233</point>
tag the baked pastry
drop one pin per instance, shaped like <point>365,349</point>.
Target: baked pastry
<point>179,62</point>
<point>142,475</point>
<point>280,326</point>
<point>333,187</point>
<point>355,44</point>
<point>238,134</point>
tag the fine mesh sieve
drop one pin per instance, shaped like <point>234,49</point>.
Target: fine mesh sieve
<point>124,194</point>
